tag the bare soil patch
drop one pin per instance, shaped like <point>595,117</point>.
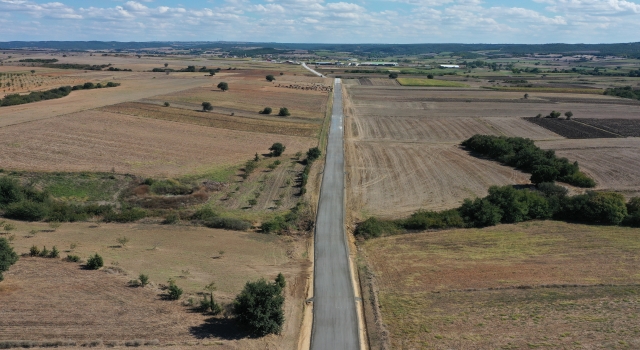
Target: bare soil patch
<point>464,288</point>
<point>572,129</point>
<point>101,141</point>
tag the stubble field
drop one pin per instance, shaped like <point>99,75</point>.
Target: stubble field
<point>529,285</point>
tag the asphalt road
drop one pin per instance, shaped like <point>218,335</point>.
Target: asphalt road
<point>312,71</point>
<point>335,320</point>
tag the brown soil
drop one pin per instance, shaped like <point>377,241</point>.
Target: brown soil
<point>101,141</point>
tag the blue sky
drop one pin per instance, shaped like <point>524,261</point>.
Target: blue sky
<point>326,21</point>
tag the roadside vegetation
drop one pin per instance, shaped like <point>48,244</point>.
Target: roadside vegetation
<point>35,96</point>
<point>509,205</point>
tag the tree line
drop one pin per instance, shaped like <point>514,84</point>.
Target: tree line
<point>35,96</point>
<point>510,205</point>
<point>524,155</point>
<point>624,92</point>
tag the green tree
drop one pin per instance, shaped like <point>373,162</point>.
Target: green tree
<point>167,104</point>
<point>568,114</point>
<point>526,96</point>
<point>393,75</point>
<point>7,256</point>
<point>480,213</point>
<point>430,76</point>
<point>555,114</point>
<point>266,110</point>
<point>270,77</point>
<point>544,173</point>
<point>144,279</point>
<point>173,292</point>
<point>223,86</point>
<point>284,112</point>
<point>313,154</point>
<point>280,281</point>
<point>95,262</point>
<point>207,106</point>
<point>259,308</point>
<point>277,149</point>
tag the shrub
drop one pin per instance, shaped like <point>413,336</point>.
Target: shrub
<point>54,253</point>
<point>374,227</point>
<point>252,202</point>
<point>7,256</point>
<point>518,205</point>
<point>223,86</point>
<point>228,223</point>
<point>26,211</point>
<point>210,305</point>
<point>170,187</point>
<point>259,308</point>
<point>167,104</point>
<point>479,213</point>
<point>10,191</point>
<point>44,252</point>
<point>73,258</point>
<point>430,76</point>
<point>144,279</point>
<point>266,110</point>
<point>284,112</point>
<point>207,106</point>
<point>423,220</point>
<point>204,214</point>
<point>270,78</point>
<point>596,207</point>
<point>393,75</point>
<point>280,281</point>
<point>550,189</point>
<point>277,149</point>
<point>313,154</point>
<point>275,225</point>
<point>171,219</point>
<point>34,251</point>
<point>173,292</point>
<point>633,212</point>
<point>126,215</point>
<point>95,262</point>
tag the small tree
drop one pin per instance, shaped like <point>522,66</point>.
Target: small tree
<point>54,253</point>
<point>526,96</point>
<point>277,149</point>
<point>144,279</point>
<point>7,256</point>
<point>122,241</point>
<point>212,72</point>
<point>313,154</point>
<point>167,104</point>
<point>174,292</point>
<point>259,308</point>
<point>266,110</point>
<point>252,202</point>
<point>33,71</point>
<point>568,114</point>
<point>207,106</point>
<point>280,281</point>
<point>393,75</point>
<point>284,112</point>
<point>95,262</point>
<point>554,114</point>
<point>223,86</point>
<point>166,65</point>
<point>270,78</point>
<point>430,76</point>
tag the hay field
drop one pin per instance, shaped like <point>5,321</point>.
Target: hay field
<point>44,299</point>
<point>102,141</point>
<point>394,179</point>
<point>613,163</point>
<point>460,288</point>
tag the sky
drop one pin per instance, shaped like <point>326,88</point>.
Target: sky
<point>324,21</point>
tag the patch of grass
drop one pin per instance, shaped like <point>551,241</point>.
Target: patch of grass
<point>80,186</point>
<point>429,82</point>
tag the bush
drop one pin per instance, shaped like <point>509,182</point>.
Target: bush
<point>167,104</point>
<point>171,219</point>
<point>374,227</point>
<point>284,112</point>
<point>275,225</point>
<point>73,258</point>
<point>266,110</point>
<point>125,215</point>
<point>34,251</point>
<point>270,78</point>
<point>277,149</point>
<point>423,220</point>
<point>7,256</point>
<point>313,154</point>
<point>26,211</point>
<point>204,214</point>
<point>479,213</point>
<point>207,106</point>
<point>259,308</point>
<point>223,86</point>
<point>596,207</point>
<point>174,292</point>
<point>280,281</point>
<point>550,189</point>
<point>210,305</point>
<point>54,253</point>
<point>393,75</point>
<point>10,191</point>
<point>633,212</point>
<point>228,223</point>
<point>518,205</point>
<point>95,262</point>
<point>144,279</point>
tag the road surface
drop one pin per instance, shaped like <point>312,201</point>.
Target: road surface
<point>312,71</point>
<point>335,320</point>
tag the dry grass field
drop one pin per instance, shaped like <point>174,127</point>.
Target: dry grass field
<point>46,299</point>
<point>532,285</point>
<point>102,141</point>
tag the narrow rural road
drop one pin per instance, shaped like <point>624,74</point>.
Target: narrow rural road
<point>312,71</point>
<point>335,319</point>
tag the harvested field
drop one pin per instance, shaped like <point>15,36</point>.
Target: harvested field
<point>130,90</point>
<point>101,141</point>
<point>48,299</point>
<point>572,129</point>
<point>378,82</point>
<point>563,90</point>
<point>624,127</point>
<point>518,127</point>
<point>254,94</point>
<point>429,82</point>
<point>270,125</point>
<point>613,163</point>
<point>511,286</point>
<point>390,179</point>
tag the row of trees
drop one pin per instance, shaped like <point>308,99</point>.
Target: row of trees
<point>553,114</point>
<point>284,111</point>
<point>624,92</point>
<point>524,155</point>
<point>509,205</point>
<point>35,96</point>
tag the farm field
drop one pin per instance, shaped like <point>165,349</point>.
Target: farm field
<point>85,306</point>
<point>102,142</point>
<point>624,127</point>
<point>429,82</point>
<point>511,286</point>
<point>613,163</point>
<point>572,129</point>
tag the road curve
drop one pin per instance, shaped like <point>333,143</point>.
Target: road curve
<point>335,319</point>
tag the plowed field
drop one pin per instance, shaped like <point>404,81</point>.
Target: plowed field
<point>101,141</point>
<point>613,163</point>
<point>390,179</point>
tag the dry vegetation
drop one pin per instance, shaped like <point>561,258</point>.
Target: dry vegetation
<point>48,299</point>
<point>509,287</point>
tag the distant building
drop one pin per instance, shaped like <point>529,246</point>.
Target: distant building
<point>449,66</point>
<point>380,64</point>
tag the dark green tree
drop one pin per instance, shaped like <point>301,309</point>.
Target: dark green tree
<point>7,256</point>
<point>270,77</point>
<point>568,114</point>
<point>95,262</point>
<point>313,154</point>
<point>544,173</point>
<point>480,213</point>
<point>266,110</point>
<point>277,149</point>
<point>259,308</point>
<point>284,112</point>
<point>280,281</point>
<point>207,106</point>
<point>223,86</point>
<point>393,75</point>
